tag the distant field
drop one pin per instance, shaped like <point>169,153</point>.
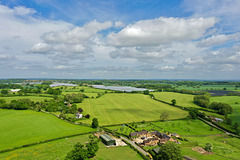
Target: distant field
<point>58,150</point>
<point>207,87</point>
<point>86,89</point>
<point>184,100</point>
<point>126,108</point>
<point>231,101</point>
<point>24,127</point>
<point>187,127</point>
<point>32,98</point>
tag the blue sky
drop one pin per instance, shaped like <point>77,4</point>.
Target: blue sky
<point>124,39</point>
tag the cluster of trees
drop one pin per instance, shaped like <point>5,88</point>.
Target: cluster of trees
<point>201,100</point>
<point>74,98</point>
<point>222,108</point>
<point>194,113</point>
<point>12,86</point>
<point>169,150</point>
<point>21,104</point>
<point>81,152</point>
<point>56,91</point>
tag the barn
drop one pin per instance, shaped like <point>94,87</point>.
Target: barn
<point>107,140</point>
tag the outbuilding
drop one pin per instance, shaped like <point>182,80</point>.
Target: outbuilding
<point>107,140</point>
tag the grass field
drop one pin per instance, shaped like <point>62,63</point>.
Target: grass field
<point>187,127</point>
<point>224,148</point>
<point>58,150</point>
<point>32,98</point>
<point>185,100</point>
<point>23,127</point>
<point>126,108</point>
<point>231,100</point>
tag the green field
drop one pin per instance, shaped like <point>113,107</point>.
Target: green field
<point>32,98</point>
<point>224,148</point>
<point>126,108</point>
<point>235,116</point>
<point>184,100</point>
<point>23,127</point>
<point>187,127</point>
<point>58,150</point>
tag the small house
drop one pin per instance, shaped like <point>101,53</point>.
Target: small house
<point>107,140</point>
<point>79,115</point>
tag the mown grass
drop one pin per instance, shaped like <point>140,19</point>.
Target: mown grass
<point>188,127</point>
<point>58,150</point>
<point>32,98</point>
<point>184,100</point>
<point>231,100</point>
<point>224,147</point>
<point>126,108</point>
<point>24,127</point>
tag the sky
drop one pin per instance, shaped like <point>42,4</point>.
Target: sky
<point>127,39</point>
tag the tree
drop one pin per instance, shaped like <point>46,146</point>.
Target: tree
<point>174,101</point>
<point>208,147</point>
<point>146,92</point>
<point>4,91</point>
<point>236,125</point>
<point>87,116</point>
<point>78,153</point>
<point>94,123</point>
<point>192,115</point>
<point>164,115</point>
<point>169,150</point>
<point>80,110</point>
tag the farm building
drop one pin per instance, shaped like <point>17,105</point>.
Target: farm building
<point>107,140</point>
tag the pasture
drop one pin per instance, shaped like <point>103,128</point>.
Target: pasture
<point>24,127</point>
<point>184,100</point>
<point>126,108</point>
<point>58,150</point>
<point>224,147</point>
<point>231,100</point>
<point>187,127</point>
<point>32,98</point>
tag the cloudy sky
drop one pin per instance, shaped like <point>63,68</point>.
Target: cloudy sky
<point>127,39</point>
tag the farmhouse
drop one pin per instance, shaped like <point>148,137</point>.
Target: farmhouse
<point>79,115</point>
<point>152,138</point>
<point>107,140</point>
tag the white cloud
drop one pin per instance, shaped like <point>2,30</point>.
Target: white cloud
<point>161,30</point>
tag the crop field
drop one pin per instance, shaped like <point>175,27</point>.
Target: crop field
<point>58,150</point>
<point>234,102</point>
<point>24,127</point>
<point>32,98</point>
<point>224,147</point>
<point>187,127</point>
<point>207,87</point>
<point>126,108</point>
<point>86,89</point>
<point>185,100</point>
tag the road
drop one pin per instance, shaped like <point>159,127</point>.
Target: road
<point>135,146</point>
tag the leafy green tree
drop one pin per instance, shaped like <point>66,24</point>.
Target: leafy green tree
<point>174,101</point>
<point>164,116</point>
<point>192,115</point>
<point>94,123</point>
<point>169,151</point>
<point>146,92</point>
<point>208,147</point>
<point>78,153</point>
<point>4,91</point>
<point>235,126</point>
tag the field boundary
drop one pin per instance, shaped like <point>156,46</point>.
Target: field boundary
<point>43,141</point>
